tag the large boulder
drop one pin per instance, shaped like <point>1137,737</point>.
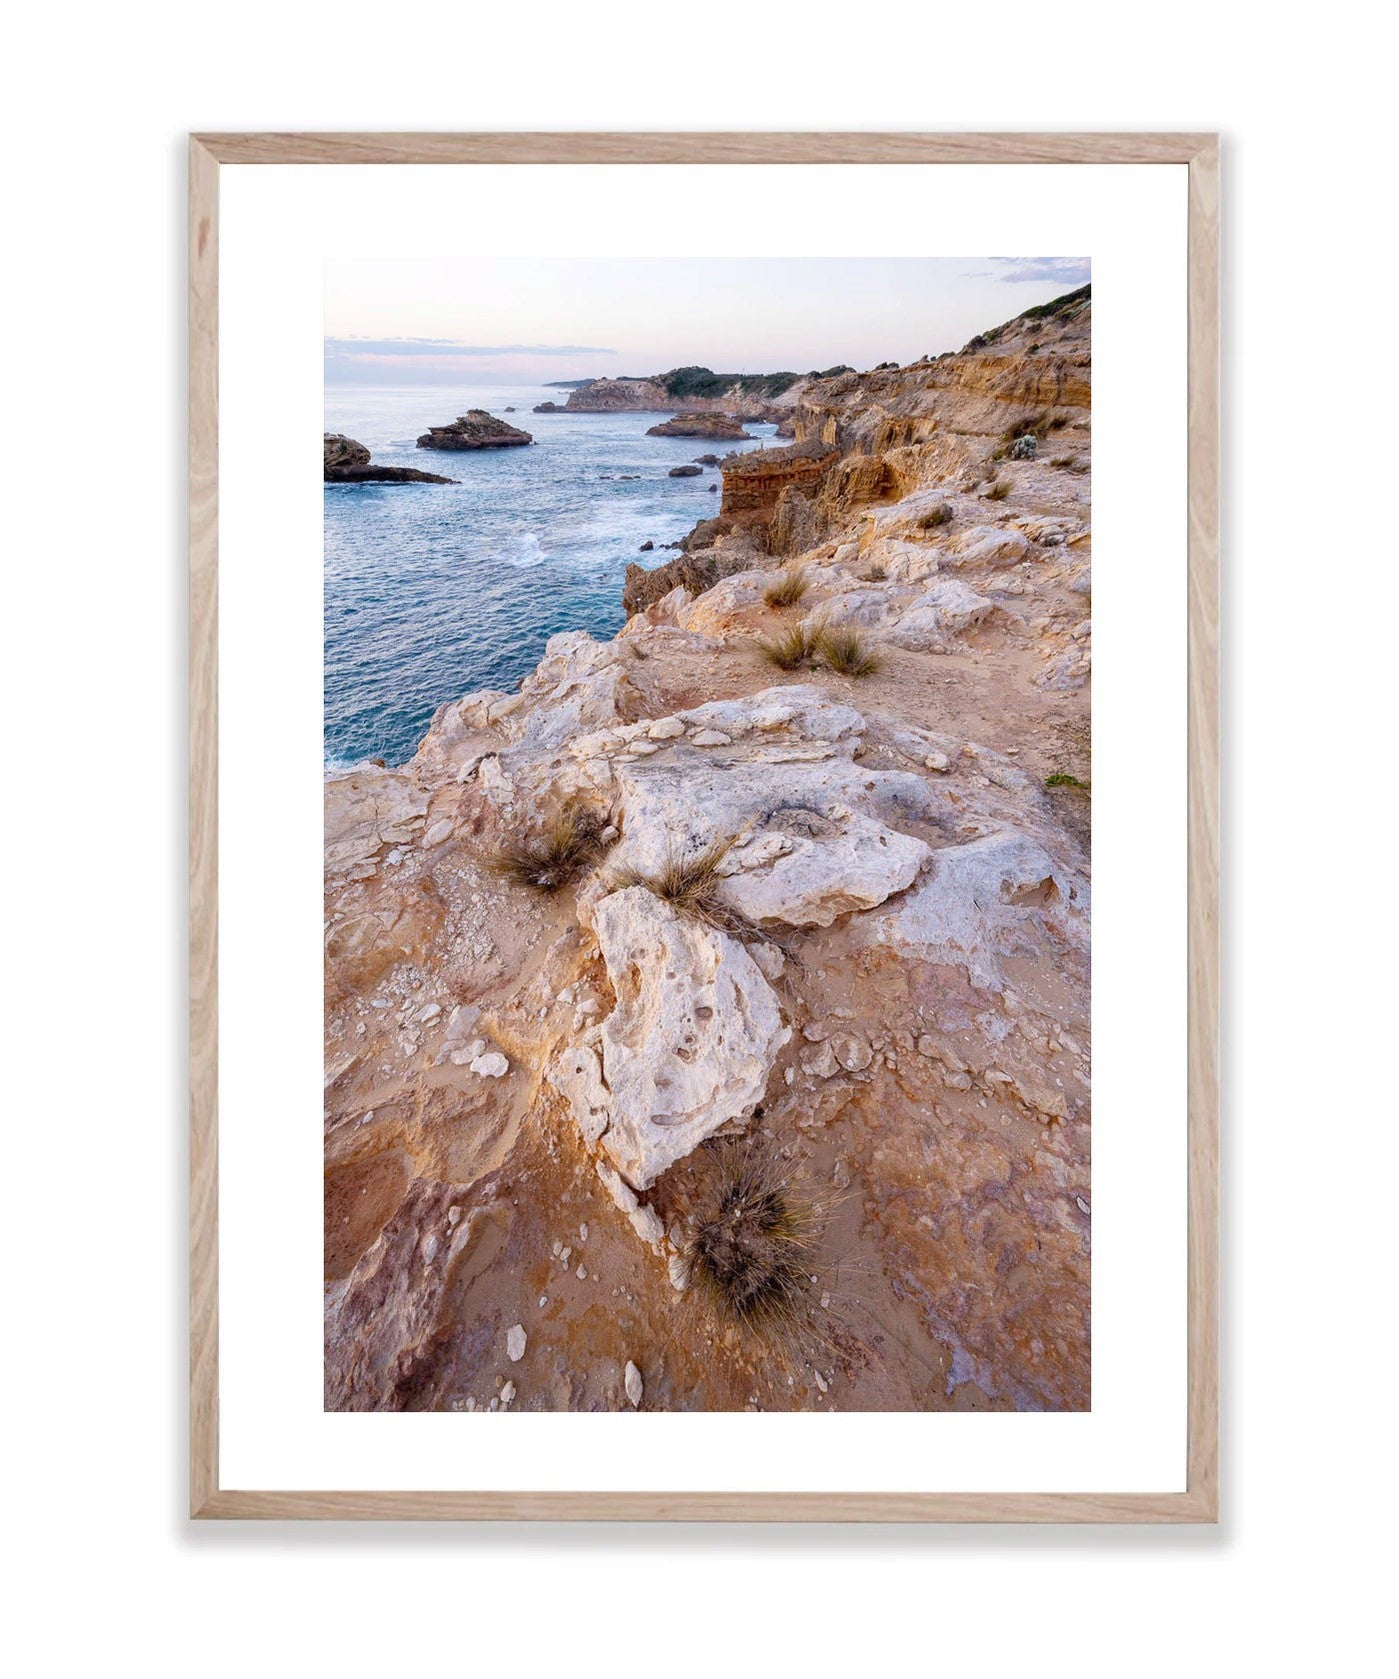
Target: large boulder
<point>809,831</point>
<point>987,545</point>
<point>476,429</point>
<point>982,902</point>
<point>931,622</point>
<point>687,1048</point>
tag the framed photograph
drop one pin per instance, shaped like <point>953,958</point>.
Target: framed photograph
<point>703,936</point>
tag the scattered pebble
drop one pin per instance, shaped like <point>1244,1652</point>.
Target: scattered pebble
<point>515,1339</point>
<point>632,1382</point>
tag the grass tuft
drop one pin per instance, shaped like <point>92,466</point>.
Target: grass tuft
<point>876,574</point>
<point>846,652</point>
<point>999,490</point>
<point>790,649</point>
<point>755,1243</point>
<point>788,587</point>
<point>940,515</point>
<point>1060,779</point>
<point>689,884</point>
<point>568,843</point>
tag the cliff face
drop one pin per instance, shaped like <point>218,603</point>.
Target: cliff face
<point>884,989</point>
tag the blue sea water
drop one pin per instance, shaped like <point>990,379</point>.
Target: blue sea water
<point>433,591</point>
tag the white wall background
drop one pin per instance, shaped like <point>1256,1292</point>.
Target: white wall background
<point>92,450</point>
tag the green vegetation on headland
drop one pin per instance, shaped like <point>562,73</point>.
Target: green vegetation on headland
<point>685,382</point>
<point>1068,304</point>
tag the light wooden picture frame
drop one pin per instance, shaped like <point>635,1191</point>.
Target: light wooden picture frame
<point>1199,153</point>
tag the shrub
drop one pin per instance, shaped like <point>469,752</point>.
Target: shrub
<point>789,649</point>
<point>568,843</point>
<point>756,1239</point>
<point>940,515</point>
<point>846,652</point>
<point>875,574</point>
<point>1060,779</point>
<point>788,587</point>
<point>999,490</point>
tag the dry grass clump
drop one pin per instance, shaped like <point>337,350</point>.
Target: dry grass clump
<point>876,574</point>
<point>841,649</point>
<point>569,842</point>
<point>689,884</point>
<point>999,490</point>
<point>788,587</point>
<point>755,1242</point>
<point>941,515</point>
<point>790,649</point>
<point>846,652</point>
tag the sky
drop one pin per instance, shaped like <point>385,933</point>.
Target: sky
<point>527,322</point>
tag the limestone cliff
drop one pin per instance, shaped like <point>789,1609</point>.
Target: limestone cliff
<point>887,989</point>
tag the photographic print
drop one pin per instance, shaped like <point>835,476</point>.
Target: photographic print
<point>708,792</point>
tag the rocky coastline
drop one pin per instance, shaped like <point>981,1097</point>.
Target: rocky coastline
<point>857,706</point>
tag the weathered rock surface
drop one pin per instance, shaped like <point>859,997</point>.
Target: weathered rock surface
<point>476,429</point>
<point>687,471</point>
<point>688,1046</point>
<point>980,903</point>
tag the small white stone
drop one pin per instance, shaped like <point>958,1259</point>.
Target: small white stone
<point>492,1066</point>
<point>507,1393</point>
<point>632,1382</point>
<point>582,1273</point>
<point>515,1339</point>
<point>711,737</point>
<point>431,1012</point>
<point>666,729</point>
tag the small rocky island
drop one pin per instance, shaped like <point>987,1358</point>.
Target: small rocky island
<point>348,462</point>
<point>476,429</point>
<point>719,428</point>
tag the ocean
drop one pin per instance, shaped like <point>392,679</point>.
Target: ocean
<point>433,591</point>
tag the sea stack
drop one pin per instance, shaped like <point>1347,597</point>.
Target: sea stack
<point>720,428</point>
<point>348,462</point>
<point>475,429</point>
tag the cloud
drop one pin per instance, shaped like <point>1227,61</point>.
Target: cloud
<point>1063,271</point>
<point>345,349</point>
